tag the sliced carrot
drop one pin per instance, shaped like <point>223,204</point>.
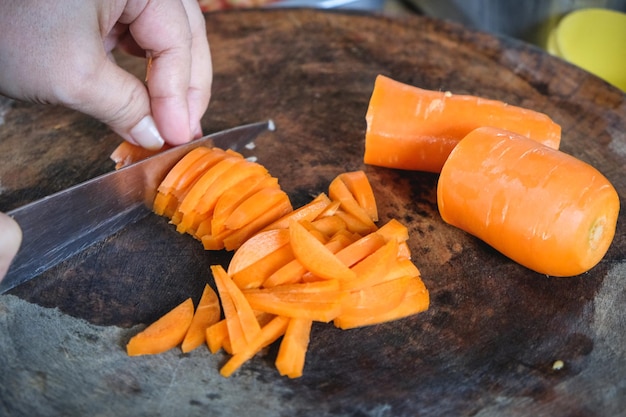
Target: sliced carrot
<point>256,248</point>
<point>371,270</point>
<point>393,229</point>
<point>329,225</point>
<point>416,129</point>
<point>165,333</point>
<point>360,187</point>
<point>292,352</point>
<point>353,224</point>
<point>338,190</point>
<point>207,313</point>
<point>256,274</point>
<point>362,248</point>
<point>175,178</point>
<point>542,208</point>
<point>254,206</point>
<point>376,299</point>
<point>317,306</point>
<point>415,301</point>
<point>238,311</point>
<point>309,211</point>
<point>216,337</point>
<point>231,199</point>
<point>268,334</point>
<point>315,257</point>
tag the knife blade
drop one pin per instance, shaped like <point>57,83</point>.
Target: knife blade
<point>66,223</point>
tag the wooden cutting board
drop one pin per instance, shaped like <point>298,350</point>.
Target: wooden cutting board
<point>489,342</point>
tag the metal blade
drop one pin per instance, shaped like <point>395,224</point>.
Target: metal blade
<point>64,224</point>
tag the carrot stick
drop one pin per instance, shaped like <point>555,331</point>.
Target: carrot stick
<point>257,248</point>
<point>360,187</point>
<point>254,206</point>
<point>239,311</point>
<point>337,190</point>
<point>208,312</point>
<point>292,352</point>
<point>268,334</point>
<point>540,207</point>
<point>371,270</point>
<point>415,301</point>
<point>416,129</point>
<point>309,211</point>
<point>165,333</point>
<point>254,275</point>
<point>376,299</point>
<point>217,335</point>
<point>318,306</point>
<point>314,256</point>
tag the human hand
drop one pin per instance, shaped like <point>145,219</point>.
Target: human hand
<point>10,239</point>
<point>59,52</point>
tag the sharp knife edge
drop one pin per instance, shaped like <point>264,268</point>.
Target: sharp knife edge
<point>65,223</point>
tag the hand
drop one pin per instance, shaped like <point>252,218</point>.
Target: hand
<point>59,52</point>
<point>10,239</point>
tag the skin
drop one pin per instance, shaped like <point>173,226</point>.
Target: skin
<point>60,53</point>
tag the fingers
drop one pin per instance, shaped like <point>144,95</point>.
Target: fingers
<point>10,240</point>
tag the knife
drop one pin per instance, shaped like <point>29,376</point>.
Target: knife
<point>65,223</point>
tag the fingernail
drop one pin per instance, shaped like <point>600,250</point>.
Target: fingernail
<point>146,134</point>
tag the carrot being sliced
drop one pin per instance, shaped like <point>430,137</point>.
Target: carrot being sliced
<point>338,190</point>
<point>165,333</point>
<point>292,352</point>
<point>207,313</point>
<point>268,334</point>
<point>126,153</point>
<point>542,208</point>
<point>416,129</point>
<point>175,178</point>
<point>254,206</point>
<point>314,256</point>
<point>360,187</point>
<point>231,199</point>
<point>238,311</point>
<point>415,301</point>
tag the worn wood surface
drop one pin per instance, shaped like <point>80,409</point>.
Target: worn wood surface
<point>488,343</point>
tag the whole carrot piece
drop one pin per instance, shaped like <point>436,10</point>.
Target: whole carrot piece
<point>416,129</point>
<point>543,208</point>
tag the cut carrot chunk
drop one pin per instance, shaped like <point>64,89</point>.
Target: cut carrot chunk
<point>268,334</point>
<point>340,192</point>
<point>309,212</point>
<point>207,313</point>
<point>376,299</point>
<point>217,336</point>
<point>165,333</point>
<point>371,270</point>
<point>324,306</point>
<point>256,274</point>
<point>256,248</point>
<point>293,348</point>
<point>416,129</point>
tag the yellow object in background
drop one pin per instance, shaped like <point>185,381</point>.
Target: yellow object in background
<point>595,40</point>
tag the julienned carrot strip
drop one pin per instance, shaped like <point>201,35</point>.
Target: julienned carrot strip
<point>235,330</point>
<point>165,333</point>
<point>318,306</point>
<point>338,190</point>
<point>416,129</point>
<point>292,352</point>
<point>360,249</point>
<point>256,274</point>
<point>354,224</point>
<point>376,299</point>
<point>256,248</point>
<point>314,256</point>
<point>269,333</point>
<point>248,322</point>
<point>309,211</point>
<point>360,187</point>
<point>207,313</point>
<point>216,335</point>
<point>254,206</point>
<point>415,301</point>
<point>371,270</point>
<point>540,207</point>
<point>329,225</point>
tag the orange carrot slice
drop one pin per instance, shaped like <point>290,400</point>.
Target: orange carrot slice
<point>376,299</point>
<point>416,129</point>
<point>165,333</point>
<point>126,153</point>
<point>309,211</point>
<point>292,352</point>
<point>338,190</point>
<point>416,300</point>
<point>238,310</point>
<point>254,206</point>
<point>257,248</point>
<point>360,187</point>
<point>314,256</point>
<point>371,270</point>
<point>540,207</point>
<point>207,313</point>
<point>268,334</point>
<point>217,336</point>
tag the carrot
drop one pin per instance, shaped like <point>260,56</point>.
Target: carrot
<point>542,208</point>
<point>256,274</point>
<point>268,334</point>
<point>165,333</point>
<point>358,184</point>
<point>339,191</point>
<point>126,153</point>
<point>309,211</point>
<point>370,270</point>
<point>207,313</point>
<point>376,299</point>
<point>216,337</point>
<point>292,352</point>
<point>416,129</point>
<point>416,300</point>
<point>257,248</point>
<point>314,256</point>
<point>254,206</point>
<point>242,323</point>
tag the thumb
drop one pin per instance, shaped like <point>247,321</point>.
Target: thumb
<point>120,100</point>
<point>10,240</point>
